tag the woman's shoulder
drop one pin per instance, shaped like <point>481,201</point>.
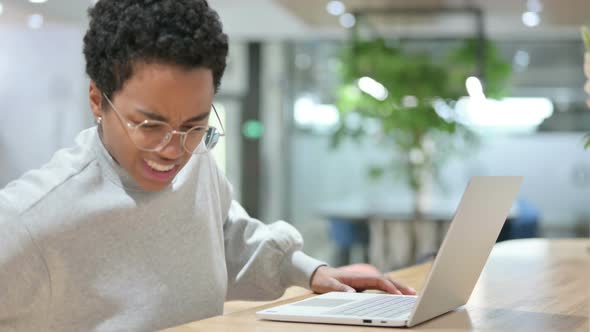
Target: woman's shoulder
<point>35,185</point>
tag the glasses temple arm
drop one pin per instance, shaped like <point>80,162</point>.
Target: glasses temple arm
<point>218,119</point>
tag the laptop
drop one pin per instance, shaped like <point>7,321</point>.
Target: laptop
<point>483,209</point>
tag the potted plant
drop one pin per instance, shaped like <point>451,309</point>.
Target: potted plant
<point>586,39</point>
<point>408,96</point>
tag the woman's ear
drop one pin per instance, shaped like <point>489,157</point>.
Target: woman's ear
<point>95,98</point>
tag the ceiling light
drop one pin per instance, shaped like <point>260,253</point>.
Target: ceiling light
<point>320,116</point>
<point>37,1</point>
<point>531,19</point>
<point>35,21</point>
<point>347,20</point>
<point>335,8</point>
<point>474,88</point>
<point>372,88</point>
<point>1,8</point>
<point>516,113</point>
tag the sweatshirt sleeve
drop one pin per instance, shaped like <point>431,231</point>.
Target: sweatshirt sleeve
<point>263,260</point>
<point>24,283</point>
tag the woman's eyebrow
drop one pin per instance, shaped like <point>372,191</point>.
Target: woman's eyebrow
<point>151,115</point>
<point>156,116</point>
<point>199,117</point>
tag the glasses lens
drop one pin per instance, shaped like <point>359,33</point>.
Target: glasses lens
<point>211,138</point>
<point>151,135</point>
<point>194,138</point>
<point>154,135</point>
<point>206,141</point>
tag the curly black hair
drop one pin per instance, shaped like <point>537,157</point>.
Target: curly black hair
<point>123,33</point>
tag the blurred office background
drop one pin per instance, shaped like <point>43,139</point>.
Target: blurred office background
<point>279,101</point>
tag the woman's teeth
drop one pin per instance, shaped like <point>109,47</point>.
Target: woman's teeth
<point>160,168</point>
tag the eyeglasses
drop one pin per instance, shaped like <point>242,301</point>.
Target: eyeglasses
<point>154,135</point>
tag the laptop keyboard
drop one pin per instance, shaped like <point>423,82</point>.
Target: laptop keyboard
<point>378,307</point>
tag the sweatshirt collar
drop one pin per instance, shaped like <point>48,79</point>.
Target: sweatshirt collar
<point>111,168</point>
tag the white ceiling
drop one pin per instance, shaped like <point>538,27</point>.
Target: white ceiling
<point>503,18</point>
<point>242,19</point>
<point>278,19</point>
<point>55,11</point>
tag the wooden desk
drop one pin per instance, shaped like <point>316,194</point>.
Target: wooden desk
<point>527,285</point>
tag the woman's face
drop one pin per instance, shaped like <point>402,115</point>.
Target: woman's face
<point>181,97</point>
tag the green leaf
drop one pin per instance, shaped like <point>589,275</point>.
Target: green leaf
<point>406,119</point>
<point>376,172</point>
<point>586,37</point>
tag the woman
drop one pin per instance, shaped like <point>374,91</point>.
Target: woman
<point>134,228</point>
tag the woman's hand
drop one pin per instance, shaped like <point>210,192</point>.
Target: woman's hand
<point>327,279</point>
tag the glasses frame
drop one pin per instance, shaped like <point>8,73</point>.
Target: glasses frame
<point>211,135</point>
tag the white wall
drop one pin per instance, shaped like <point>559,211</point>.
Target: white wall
<point>274,144</point>
<point>555,166</point>
<point>43,89</point>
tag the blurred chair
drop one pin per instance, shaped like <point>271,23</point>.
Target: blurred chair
<point>346,233</point>
<point>525,224</point>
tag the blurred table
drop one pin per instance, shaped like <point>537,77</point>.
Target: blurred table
<point>527,285</point>
<point>385,232</point>
<point>366,223</point>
